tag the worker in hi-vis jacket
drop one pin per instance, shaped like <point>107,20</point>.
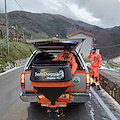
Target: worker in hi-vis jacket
<point>96,62</point>
<point>67,56</point>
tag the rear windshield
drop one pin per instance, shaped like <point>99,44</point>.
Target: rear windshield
<point>48,56</point>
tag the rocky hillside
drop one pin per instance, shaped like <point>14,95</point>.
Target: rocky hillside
<point>47,25</point>
<point>115,29</point>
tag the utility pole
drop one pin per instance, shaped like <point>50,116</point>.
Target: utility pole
<point>6,28</point>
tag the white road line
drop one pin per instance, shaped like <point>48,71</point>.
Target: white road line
<point>110,114</point>
<point>10,70</point>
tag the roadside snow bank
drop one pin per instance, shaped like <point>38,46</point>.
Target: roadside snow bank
<point>116,69</point>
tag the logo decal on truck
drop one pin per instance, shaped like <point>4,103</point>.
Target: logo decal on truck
<point>51,75</point>
<point>76,80</point>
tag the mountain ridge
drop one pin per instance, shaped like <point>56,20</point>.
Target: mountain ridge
<point>48,25</point>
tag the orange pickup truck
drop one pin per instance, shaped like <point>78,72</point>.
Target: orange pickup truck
<point>50,82</point>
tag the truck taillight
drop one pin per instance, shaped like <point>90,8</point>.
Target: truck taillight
<point>87,81</point>
<point>23,80</point>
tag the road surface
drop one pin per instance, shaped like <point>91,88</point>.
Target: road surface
<point>12,108</point>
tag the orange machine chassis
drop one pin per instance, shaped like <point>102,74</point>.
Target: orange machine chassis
<point>60,102</point>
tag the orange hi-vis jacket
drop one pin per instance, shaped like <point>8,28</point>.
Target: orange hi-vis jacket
<point>96,60</point>
<point>71,59</point>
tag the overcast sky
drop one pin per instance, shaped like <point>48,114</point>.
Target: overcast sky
<point>103,13</point>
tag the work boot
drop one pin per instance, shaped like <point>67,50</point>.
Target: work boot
<point>93,84</point>
<point>98,87</point>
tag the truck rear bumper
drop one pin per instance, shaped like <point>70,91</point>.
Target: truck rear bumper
<point>80,97</point>
<point>28,97</point>
<point>77,97</point>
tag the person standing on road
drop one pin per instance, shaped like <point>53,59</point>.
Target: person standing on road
<point>67,56</point>
<point>96,62</point>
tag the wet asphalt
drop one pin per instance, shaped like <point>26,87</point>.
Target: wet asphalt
<point>12,108</point>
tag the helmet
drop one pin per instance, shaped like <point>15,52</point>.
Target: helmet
<point>94,48</point>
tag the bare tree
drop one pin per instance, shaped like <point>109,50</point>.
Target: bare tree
<point>1,23</point>
<point>1,15</point>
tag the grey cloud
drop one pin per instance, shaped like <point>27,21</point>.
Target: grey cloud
<point>105,10</point>
<point>45,6</point>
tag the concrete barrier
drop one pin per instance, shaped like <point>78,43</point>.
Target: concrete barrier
<point>110,81</point>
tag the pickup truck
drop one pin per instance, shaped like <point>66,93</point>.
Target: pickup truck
<point>50,82</point>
